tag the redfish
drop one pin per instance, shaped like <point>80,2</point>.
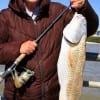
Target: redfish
<point>72,58</point>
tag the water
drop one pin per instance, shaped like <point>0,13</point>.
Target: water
<point>1,84</point>
<point>91,72</point>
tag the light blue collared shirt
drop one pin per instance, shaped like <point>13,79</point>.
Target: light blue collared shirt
<point>33,14</point>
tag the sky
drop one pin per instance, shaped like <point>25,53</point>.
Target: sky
<point>94,3</point>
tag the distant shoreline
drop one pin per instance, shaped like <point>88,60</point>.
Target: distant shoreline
<point>92,42</point>
<point>93,39</point>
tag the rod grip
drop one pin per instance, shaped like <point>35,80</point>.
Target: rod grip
<point>19,58</point>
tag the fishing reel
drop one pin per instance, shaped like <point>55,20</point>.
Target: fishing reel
<point>22,78</point>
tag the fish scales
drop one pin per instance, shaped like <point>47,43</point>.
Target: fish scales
<point>74,86</point>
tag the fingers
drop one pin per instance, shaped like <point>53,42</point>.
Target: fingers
<point>28,47</point>
<point>77,3</point>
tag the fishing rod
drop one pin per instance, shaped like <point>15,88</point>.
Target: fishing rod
<point>22,56</point>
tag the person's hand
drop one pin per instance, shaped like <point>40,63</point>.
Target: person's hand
<point>28,47</point>
<point>77,4</point>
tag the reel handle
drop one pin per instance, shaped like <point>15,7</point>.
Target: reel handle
<point>13,66</point>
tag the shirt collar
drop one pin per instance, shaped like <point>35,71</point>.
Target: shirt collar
<point>33,14</point>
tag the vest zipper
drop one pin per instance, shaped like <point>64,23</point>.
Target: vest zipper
<point>42,82</point>
<point>40,65</point>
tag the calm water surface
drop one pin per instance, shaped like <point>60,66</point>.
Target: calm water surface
<point>91,72</point>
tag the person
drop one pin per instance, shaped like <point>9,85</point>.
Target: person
<point>20,25</point>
